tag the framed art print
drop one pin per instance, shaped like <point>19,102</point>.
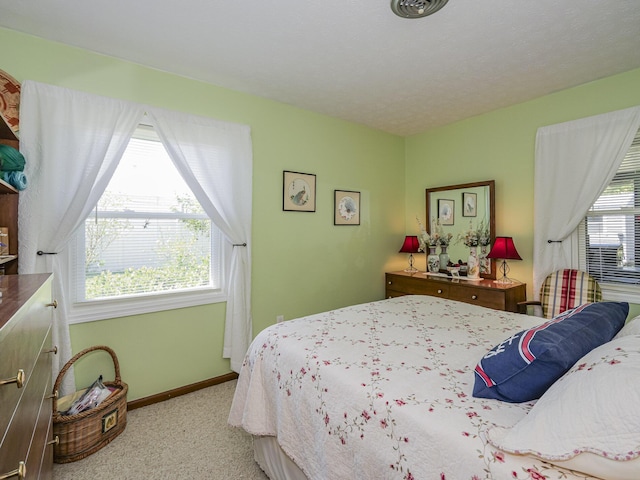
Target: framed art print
<point>445,211</point>
<point>298,192</point>
<point>469,204</point>
<point>346,208</point>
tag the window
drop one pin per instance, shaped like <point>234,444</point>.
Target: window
<point>609,236</point>
<point>147,245</point>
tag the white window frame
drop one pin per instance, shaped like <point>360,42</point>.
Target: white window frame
<point>100,309</point>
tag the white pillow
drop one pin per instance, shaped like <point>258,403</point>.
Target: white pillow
<point>632,327</point>
<point>589,420</point>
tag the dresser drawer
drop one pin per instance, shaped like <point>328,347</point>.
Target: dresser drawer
<point>485,293</point>
<point>25,345</point>
<point>416,286</point>
<point>479,296</point>
<point>29,407</point>
<point>21,343</point>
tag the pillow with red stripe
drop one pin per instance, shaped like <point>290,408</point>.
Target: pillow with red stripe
<point>525,365</point>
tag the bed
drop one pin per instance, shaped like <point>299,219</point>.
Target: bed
<point>384,390</point>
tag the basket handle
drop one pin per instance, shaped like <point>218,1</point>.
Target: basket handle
<point>67,366</point>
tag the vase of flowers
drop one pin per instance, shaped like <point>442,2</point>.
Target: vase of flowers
<point>485,264</point>
<point>433,260</point>
<point>484,241</point>
<point>443,257</point>
<point>472,238</point>
<point>428,243</point>
<point>444,239</point>
<point>473,266</point>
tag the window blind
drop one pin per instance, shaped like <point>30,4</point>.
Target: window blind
<point>609,237</point>
<point>147,234</point>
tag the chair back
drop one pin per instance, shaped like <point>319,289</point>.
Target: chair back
<point>566,289</point>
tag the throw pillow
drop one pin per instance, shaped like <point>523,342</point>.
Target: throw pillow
<point>525,365</point>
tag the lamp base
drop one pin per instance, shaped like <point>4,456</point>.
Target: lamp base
<point>504,268</point>
<point>411,268</point>
<point>505,281</point>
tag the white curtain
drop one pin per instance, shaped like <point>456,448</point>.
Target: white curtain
<point>215,159</point>
<point>72,142</point>
<point>574,163</point>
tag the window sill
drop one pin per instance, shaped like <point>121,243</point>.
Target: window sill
<point>107,309</point>
<point>620,293</point>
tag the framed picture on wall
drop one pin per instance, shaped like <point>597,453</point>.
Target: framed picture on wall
<point>445,211</point>
<point>469,204</point>
<point>346,207</point>
<point>298,192</point>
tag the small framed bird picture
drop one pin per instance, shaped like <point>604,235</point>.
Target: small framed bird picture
<point>346,207</point>
<point>469,204</point>
<point>298,192</point>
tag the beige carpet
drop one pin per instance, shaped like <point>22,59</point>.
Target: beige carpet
<point>186,437</point>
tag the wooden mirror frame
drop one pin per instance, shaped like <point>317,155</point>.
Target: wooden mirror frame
<point>460,190</point>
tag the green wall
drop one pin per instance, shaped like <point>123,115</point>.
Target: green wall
<point>500,145</point>
<point>302,263</point>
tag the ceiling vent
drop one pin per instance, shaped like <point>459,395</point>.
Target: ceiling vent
<point>416,8</point>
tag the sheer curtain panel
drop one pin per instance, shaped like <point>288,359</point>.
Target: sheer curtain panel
<point>73,142</point>
<point>574,163</point>
<point>215,159</point>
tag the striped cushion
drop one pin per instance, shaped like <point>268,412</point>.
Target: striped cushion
<point>526,364</point>
<point>567,289</point>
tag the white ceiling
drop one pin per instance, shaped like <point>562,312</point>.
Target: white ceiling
<point>356,60</point>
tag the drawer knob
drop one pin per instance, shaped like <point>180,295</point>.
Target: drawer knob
<point>53,304</point>
<point>54,350</point>
<point>55,441</point>
<point>53,395</point>
<point>18,380</point>
<point>19,472</point>
<point>439,290</point>
<point>474,297</point>
<point>390,282</point>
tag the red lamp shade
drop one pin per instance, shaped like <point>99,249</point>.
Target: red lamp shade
<point>503,248</point>
<point>410,245</point>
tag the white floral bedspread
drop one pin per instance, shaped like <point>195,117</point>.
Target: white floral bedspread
<point>383,391</point>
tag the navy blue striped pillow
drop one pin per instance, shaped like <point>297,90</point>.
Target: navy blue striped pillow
<point>524,366</point>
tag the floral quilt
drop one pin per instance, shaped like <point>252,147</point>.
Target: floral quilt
<point>383,390</point>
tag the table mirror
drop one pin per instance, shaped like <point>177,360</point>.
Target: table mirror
<point>457,208</point>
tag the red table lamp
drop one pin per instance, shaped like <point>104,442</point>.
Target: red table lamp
<point>504,249</point>
<point>410,246</point>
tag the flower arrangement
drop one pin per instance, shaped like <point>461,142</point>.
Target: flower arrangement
<point>441,238</point>
<point>438,237</point>
<point>425,239</point>
<point>475,237</point>
<point>444,239</point>
<point>484,235</point>
<point>469,237</point>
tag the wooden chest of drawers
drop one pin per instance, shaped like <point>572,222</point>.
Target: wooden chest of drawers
<point>25,376</point>
<point>486,293</point>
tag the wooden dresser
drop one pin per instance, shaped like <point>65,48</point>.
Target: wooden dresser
<point>25,376</point>
<point>486,293</point>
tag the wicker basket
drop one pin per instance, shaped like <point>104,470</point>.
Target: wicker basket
<point>87,432</point>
